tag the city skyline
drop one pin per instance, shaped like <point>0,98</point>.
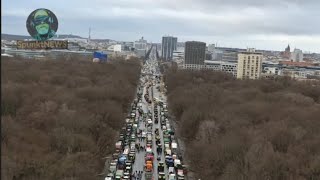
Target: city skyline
<point>268,25</point>
<point>169,45</point>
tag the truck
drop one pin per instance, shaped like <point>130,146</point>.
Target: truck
<point>169,161</point>
<point>113,167</point>
<point>149,139</point>
<point>143,134</point>
<point>156,131</point>
<point>148,175</point>
<point>177,163</point>
<point>149,156</point>
<point>129,168</point>
<point>160,167</point>
<point>159,149</point>
<point>180,173</point>
<point>119,174</point>
<point>121,162</point>
<point>126,175</point>
<point>174,147</point>
<point>168,151</point>
<point>148,150</point>
<point>108,178</point>
<point>172,177</point>
<point>161,176</point>
<point>149,166</point>
<point>171,170</point>
<point>166,140</point>
<point>126,151</point>
<point>119,145</point>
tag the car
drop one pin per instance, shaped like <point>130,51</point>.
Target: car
<point>115,155</point>
<point>172,177</point>
<point>144,134</point>
<point>129,168</point>
<point>161,176</point>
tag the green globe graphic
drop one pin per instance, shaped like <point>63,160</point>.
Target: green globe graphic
<point>42,24</point>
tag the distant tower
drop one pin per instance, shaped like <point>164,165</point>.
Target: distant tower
<point>89,38</point>
<point>287,49</point>
<point>287,53</point>
<point>169,44</point>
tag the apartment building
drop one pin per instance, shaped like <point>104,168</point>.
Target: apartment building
<point>195,52</point>
<point>249,65</point>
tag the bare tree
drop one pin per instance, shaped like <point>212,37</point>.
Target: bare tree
<point>59,117</point>
<point>247,130</point>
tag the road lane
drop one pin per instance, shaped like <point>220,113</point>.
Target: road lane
<point>149,68</point>
<point>140,156</point>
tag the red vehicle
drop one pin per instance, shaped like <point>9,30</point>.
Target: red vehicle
<point>149,166</point>
<point>185,169</point>
<point>149,146</point>
<point>149,157</point>
<point>180,173</point>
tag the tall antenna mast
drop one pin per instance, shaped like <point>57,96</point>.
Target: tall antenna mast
<point>89,34</point>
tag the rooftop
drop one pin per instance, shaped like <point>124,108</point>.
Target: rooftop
<point>219,62</point>
<point>245,52</point>
<point>290,63</point>
<point>196,42</point>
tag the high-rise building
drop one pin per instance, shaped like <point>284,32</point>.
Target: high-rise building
<point>140,44</point>
<point>297,55</point>
<point>178,54</point>
<point>195,52</point>
<point>140,47</point>
<point>211,47</point>
<point>169,44</point>
<point>249,65</point>
<point>230,56</point>
<point>208,55</point>
<point>217,55</point>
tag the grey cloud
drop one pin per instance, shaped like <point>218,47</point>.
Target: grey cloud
<point>130,19</point>
<point>279,16</point>
<point>216,4</point>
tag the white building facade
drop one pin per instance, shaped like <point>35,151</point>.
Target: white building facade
<point>215,66</point>
<point>211,47</point>
<point>297,55</point>
<point>117,48</point>
<point>249,65</point>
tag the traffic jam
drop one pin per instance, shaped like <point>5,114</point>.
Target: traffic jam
<point>147,149</point>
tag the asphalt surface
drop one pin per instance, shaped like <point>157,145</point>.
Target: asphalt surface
<point>150,70</point>
<point>140,156</point>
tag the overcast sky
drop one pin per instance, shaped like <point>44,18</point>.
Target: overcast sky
<point>262,24</point>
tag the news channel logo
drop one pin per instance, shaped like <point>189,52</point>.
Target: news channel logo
<point>42,24</point>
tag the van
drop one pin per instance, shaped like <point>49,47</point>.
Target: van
<point>126,151</point>
<point>168,152</point>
